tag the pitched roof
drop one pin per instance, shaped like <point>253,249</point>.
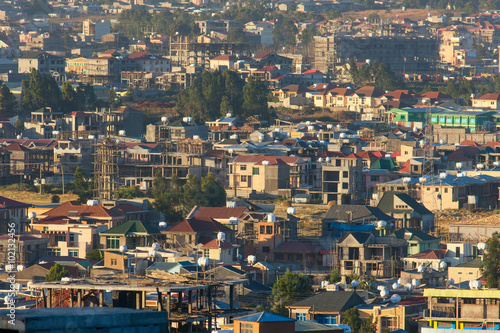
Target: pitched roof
<point>489,97</point>
<point>218,212</point>
<point>82,211</point>
<point>358,213</point>
<point>416,235</point>
<point>9,203</point>
<point>215,244</point>
<point>386,204</point>
<point>331,301</point>
<point>474,263</point>
<point>429,254</point>
<point>264,317</point>
<point>199,225</point>
<point>132,228</point>
<point>360,236</point>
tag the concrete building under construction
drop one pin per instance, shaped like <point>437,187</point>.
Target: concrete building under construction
<point>404,54</point>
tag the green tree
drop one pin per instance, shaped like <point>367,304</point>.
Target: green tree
<point>289,288</point>
<point>213,191</point>
<point>490,267</point>
<point>334,276</point>
<point>68,97</point>
<point>167,199</point>
<point>95,255</point>
<point>112,95</point>
<point>225,106</point>
<point>84,189</point>
<point>192,194</point>
<point>333,14</point>
<point>255,99</point>
<point>19,125</point>
<point>213,91</point>
<point>351,318</point>
<point>56,273</point>
<point>307,36</point>
<point>358,325</point>
<point>7,101</point>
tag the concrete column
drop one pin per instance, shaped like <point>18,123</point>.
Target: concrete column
<point>209,305</point>
<point>231,297</point>
<point>101,298</point>
<point>143,296</point>
<point>179,300</point>
<point>71,303</point>
<point>169,295</point>
<point>159,301</point>
<point>190,305</point>
<point>49,298</point>
<point>138,300</point>
<point>79,298</point>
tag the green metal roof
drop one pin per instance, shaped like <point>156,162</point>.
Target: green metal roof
<point>131,228</point>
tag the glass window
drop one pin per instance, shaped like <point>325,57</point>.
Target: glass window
<point>301,316</point>
<point>112,242</point>
<point>206,253</point>
<point>73,253</point>
<point>327,319</point>
<point>243,167</point>
<point>246,327</point>
<point>114,262</point>
<point>255,171</point>
<point>60,238</point>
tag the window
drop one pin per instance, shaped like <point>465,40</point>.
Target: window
<point>345,174</point>
<point>45,228</point>
<point>54,252</point>
<point>255,171</point>
<point>60,238</point>
<point>114,262</point>
<point>278,256</point>
<point>269,230</point>
<point>73,253</point>
<point>266,249</point>
<point>301,316</point>
<point>457,252</point>
<point>469,300</point>
<point>243,179</point>
<point>327,319</point>
<point>246,327</point>
<point>206,253</point>
<point>374,178</point>
<point>112,242</point>
<point>262,229</point>
<point>243,167</point>
<point>445,190</point>
<point>345,186</point>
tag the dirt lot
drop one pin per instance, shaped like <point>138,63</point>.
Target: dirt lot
<point>34,198</point>
<point>448,217</point>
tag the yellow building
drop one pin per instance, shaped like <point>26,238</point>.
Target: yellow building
<point>77,65</point>
<point>462,308</point>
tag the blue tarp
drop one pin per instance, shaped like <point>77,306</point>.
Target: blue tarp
<point>343,227</point>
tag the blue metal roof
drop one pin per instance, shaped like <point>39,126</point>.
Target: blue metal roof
<point>264,317</point>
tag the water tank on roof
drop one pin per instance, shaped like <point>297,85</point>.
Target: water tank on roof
<point>221,236</point>
<point>271,218</point>
<point>164,119</point>
<point>481,246</point>
<point>123,248</point>
<point>395,298</point>
<point>291,210</point>
<point>251,259</point>
<point>122,132</point>
<point>421,269</point>
<point>162,224</point>
<point>203,261</point>
<point>32,215</point>
<point>395,285</point>
<point>355,283</point>
<point>384,293</point>
<point>234,220</point>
